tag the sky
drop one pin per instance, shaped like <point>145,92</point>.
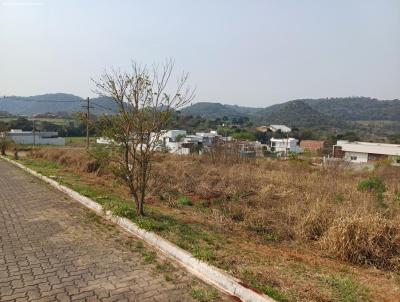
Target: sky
<point>248,52</point>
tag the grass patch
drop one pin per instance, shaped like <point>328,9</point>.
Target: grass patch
<point>347,290</point>
<point>149,256</point>
<point>165,267</point>
<point>373,184</point>
<point>185,201</point>
<point>43,167</point>
<point>203,295</point>
<point>267,289</point>
<point>94,217</point>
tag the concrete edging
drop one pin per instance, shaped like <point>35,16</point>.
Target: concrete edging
<point>207,273</point>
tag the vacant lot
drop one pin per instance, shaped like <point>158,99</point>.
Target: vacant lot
<point>294,230</point>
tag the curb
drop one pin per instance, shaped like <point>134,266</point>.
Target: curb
<point>205,272</point>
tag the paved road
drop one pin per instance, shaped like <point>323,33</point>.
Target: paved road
<point>53,249</point>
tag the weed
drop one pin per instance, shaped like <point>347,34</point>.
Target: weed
<point>204,253</point>
<point>397,195</point>
<point>348,290</point>
<point>125,210</point>
<point>203,295</point>
<point>149,256</point>
<point>373,184</point>
<point>165,267</point>
<point>169,277</point>
<point>185,201</point>
<point>273,293</point>
<point>338,198</point>
<point>94,217</point>
<point>267,289</point>
<point>271,237</point>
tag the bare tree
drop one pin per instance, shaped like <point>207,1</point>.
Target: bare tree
<point>145,100</point>
<point>4,141</point>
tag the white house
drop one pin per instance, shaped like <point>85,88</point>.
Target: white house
<point>363,152</point>
<point>172,135</point>
<point>282,128</point>
<point>208,137</point>
<point>285,145</point>
<point>37,137</point>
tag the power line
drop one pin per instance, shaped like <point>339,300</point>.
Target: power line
<point>103,107</point>
<point>45,101</point>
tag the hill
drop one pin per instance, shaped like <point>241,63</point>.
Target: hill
<point>311,113</point>
<point>218,110</point>
<point>329,112</point>
<point>357,108</point>
<point>55,102</point>
<point>296,114</point>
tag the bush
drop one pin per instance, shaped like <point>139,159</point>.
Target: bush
<point>373,184</point>
<point>184,201</point>
<point>365,240</point>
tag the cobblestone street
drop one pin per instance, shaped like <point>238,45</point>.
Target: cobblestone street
<point>53,249</point>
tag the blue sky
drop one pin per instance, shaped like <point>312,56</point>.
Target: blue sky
<point>254,52</point>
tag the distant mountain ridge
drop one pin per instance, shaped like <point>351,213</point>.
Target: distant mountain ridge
<point>54,102</point>
<point>328,112</point>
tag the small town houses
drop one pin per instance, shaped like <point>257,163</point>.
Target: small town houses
<point>179,142</point>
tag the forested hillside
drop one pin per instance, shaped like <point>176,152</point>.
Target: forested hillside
<point>329,112</point>
<point>57,102</point>
<point>311,113</point>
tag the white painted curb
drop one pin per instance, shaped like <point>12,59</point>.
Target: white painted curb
<point>202,270</point>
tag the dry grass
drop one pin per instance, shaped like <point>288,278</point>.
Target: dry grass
<point>295,201</point>
<point>368,239</point>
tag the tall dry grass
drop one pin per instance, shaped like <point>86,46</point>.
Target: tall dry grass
<point>279,201</point>
<point>296,201</point>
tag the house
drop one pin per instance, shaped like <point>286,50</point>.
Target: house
<point>363,152</point>
<point>172,135</point>
<point>172,141</point>
<point>250,149</point>
<point>312,145</point>
<point>276,128</point>
<point>208,137</point>
<point>35,138</point>
<point>283,146</point>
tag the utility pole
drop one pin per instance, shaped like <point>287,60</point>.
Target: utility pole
<point>34,133</point>
<point>87,121</point>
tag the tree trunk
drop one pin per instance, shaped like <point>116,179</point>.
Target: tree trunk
<point>140,209</point>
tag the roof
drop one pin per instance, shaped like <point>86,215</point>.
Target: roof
<point>283,128</point>
<point>374,148</point>
<point>290,139</point>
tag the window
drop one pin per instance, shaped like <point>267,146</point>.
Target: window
<point>353,157</point>
<point>398,161</point>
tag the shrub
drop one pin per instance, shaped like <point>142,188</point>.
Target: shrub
<point>185,201</point>
<point>367,239</point>
<point>373,184</point>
